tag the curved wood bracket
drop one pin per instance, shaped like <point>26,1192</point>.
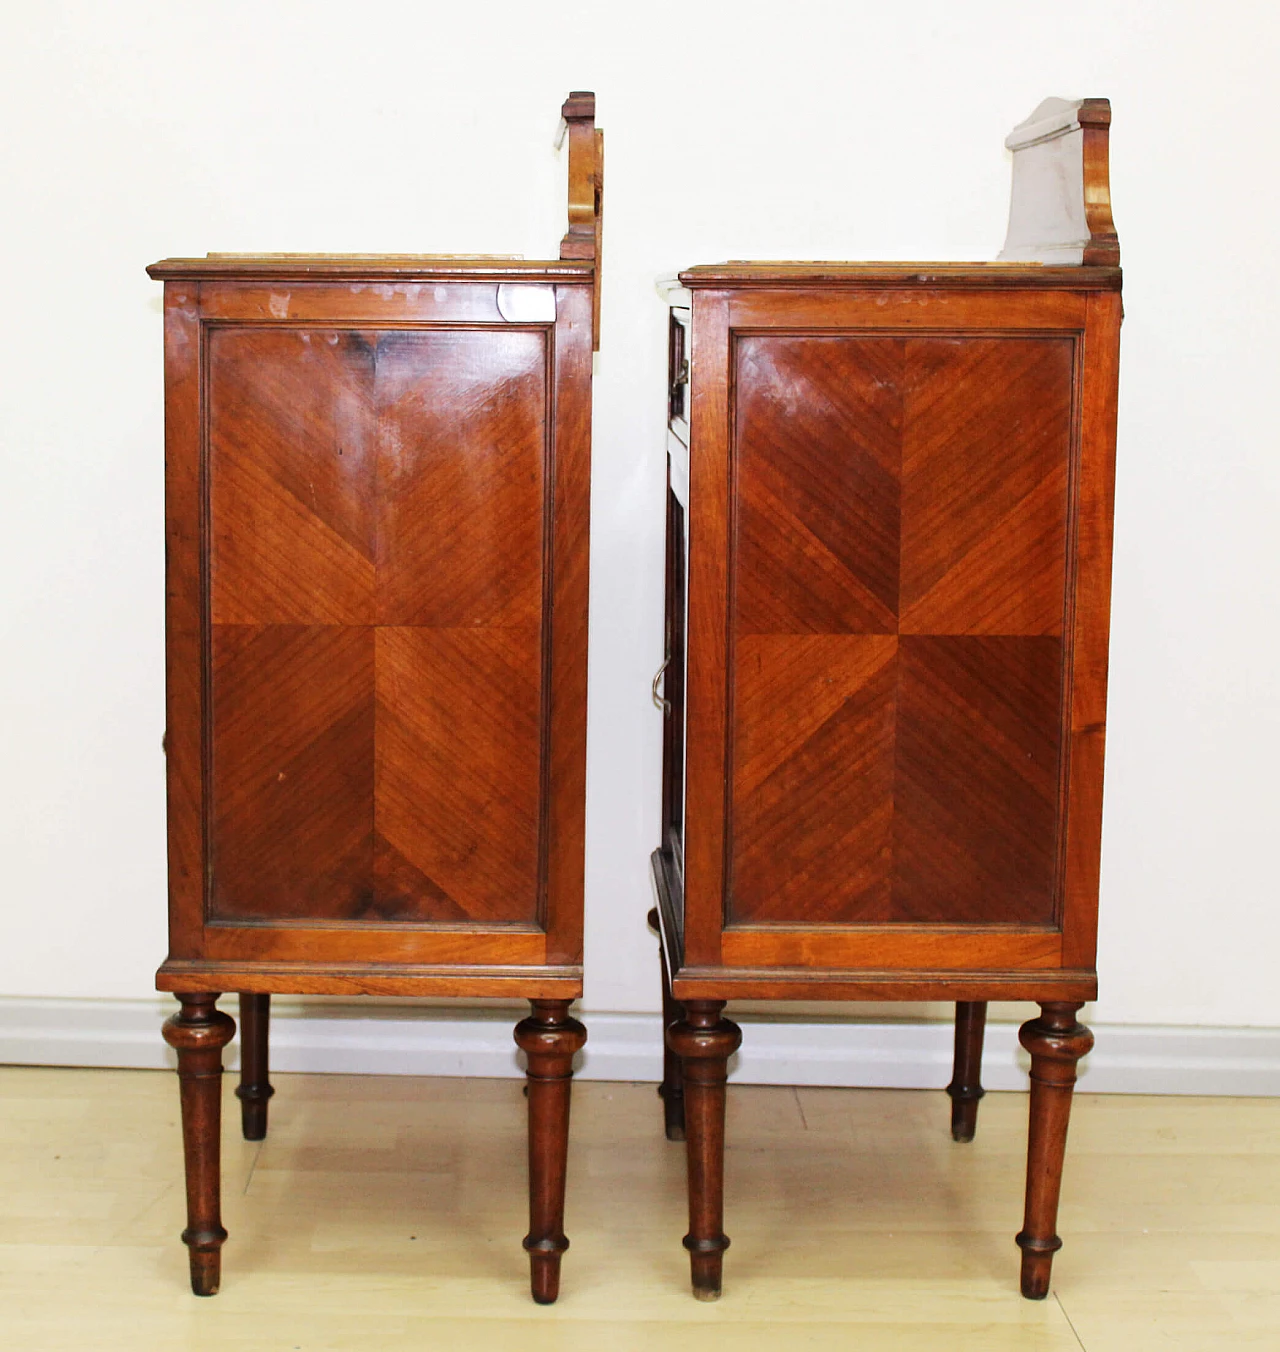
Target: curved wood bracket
<point>1060,206</point>
<point>586,192</point>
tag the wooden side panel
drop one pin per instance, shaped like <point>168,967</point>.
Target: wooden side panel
<point>377,536</point>
<point>292,476</point>
<point>975,793</point>
<point>706,741</point>
<point>462,429</point>
<point>292,783</point>
<point>458,774</point>
<point>461,435</point>
<point>819,448</point>
<point>987,432</point>
<point>1091,626</point>
<point>565,694</point>
<point>897,602</point>
<point>184,618</point>
<point>813,776</point>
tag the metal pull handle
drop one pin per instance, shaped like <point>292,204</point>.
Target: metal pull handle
<point>660,701</point>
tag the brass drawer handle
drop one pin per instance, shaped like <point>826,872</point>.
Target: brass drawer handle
<point>660,701</point>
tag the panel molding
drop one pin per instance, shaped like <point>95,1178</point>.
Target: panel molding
<point>349,1038</point>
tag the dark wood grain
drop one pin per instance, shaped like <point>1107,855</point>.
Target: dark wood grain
<point>198,1033</point>
<point>985,457</point>
<point>890,486</point>
<point>1056,1042</point>
<point>966,1088</point>
<point>549,1039</point>
<point>707,691</point>
<point>975,798</point>
<point>391,480</point>
<point>458,773</point>
<point>292,772</point>
<point>1090,629</point>
<point>377,520</point>
<point>675,649</point>
<point>254,1090</point>
<point>485,975</point>
<point>566,602</point>
<point>292,469</point>
<point>813,777</point>
<point>901,484</point>
<point>461,440</point>
<point>817,483</point>
<point>704,1040</point>
<point>185,628</point>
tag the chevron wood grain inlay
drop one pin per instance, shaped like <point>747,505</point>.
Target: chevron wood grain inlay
<point>985,450</point>
<point>976,778</point>
<point>291,476</point>
<point>457,791</point>
<point>292,781</point>
<point>376,594</point>
<point>460,441</point>
<point>898,598</point>
<point>819,446</point>
<point>816,718</point>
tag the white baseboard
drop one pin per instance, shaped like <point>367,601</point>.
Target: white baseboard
<point>396,1040</point>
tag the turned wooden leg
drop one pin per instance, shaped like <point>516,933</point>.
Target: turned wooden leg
<point>254,1088</point>
<point>198,1032</point>
<point>704,1042</point>
<point>671,1090</point>
<point>966,1079</point>
<point>1056,1043</point>
<point>550,1039</point>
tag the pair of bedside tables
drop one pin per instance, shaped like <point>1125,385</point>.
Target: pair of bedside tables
<point>888,563</point>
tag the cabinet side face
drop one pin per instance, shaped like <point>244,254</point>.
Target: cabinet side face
<point>184,617</point>
<point>897,610</point>
<point>376,505</point>
<point>902,545</point>
<point>380,525</point>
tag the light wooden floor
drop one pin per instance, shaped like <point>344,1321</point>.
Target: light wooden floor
<point>386,1214</point>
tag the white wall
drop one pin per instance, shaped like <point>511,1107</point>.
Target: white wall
<point>136,130</point>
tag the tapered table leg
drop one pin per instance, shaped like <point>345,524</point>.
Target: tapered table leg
<point>198,1032</point>
<point>704,1041</point>
<point>254,1088</point>
<point>1056,1043</point>
<point>671,1090</point>
<point>550,1039</point>
<point>966,1079</point>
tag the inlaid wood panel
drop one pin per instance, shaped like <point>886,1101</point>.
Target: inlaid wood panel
<point>976,768</point>
<point>819,450</point>
<point>897,604</point>
<point>377,521</point>
<point>457,773</point>
<point>292,476</point>
<point>987,426</point>
<point>292,783</point>
<point>461,431</point>
<point>813,775</point>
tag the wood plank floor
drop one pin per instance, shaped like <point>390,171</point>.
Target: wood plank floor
<point>385,1213</point>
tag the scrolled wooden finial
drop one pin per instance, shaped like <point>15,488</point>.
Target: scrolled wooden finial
<point>586,190</point>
